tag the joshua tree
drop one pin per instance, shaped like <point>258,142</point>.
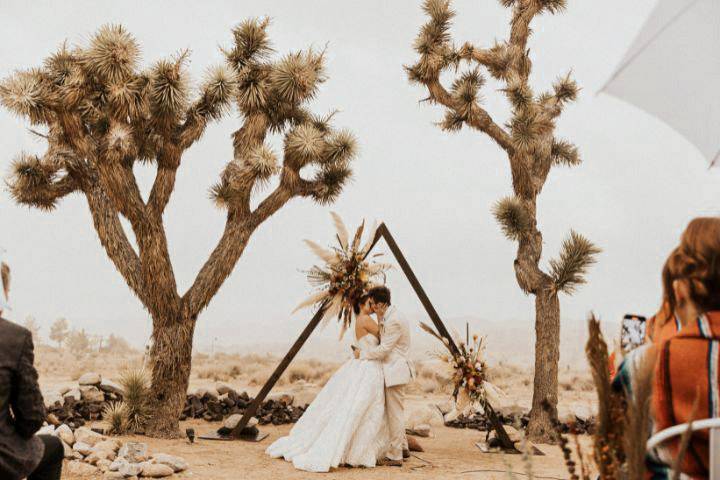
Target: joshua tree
<point>103,116</point>
<point>59,331</point>
<point>532,149</point>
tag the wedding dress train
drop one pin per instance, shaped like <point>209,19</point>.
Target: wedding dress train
<point>345,424</point>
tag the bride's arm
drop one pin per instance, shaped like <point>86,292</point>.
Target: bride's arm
<point>393,332</point>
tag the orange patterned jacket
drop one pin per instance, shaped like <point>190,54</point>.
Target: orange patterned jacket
<point>688,368</point>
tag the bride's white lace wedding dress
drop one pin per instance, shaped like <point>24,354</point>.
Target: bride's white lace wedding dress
<point>345,424</point>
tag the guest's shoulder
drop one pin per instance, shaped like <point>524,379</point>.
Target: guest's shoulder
<point>12,332</point>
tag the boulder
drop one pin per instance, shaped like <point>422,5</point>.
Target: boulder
<point>130,469</point>
<point>87,436</point>
<point>64,390</point>
<point>103,465</point>
<point>281,397</point>
<point>51,399</point>
<point>224,388</point>
<point>176,463</point>
<point>92,394</point>
<point>211,394</point>
<point>67,450</point>
<point>109,445</point>
<point>110,387</point>
<point>46,430</point>
<point>200,392</point>
<point>74,394</point>
<point>79,469</point>
<point>446,407</point>
<point>134,452</point>
<point>117,463</point>
<point>64,433</point>
<point>110,475</point>
<point>98,455</point>
<point>156,470</point>
<point>82,448</point>
<point>90,378</point>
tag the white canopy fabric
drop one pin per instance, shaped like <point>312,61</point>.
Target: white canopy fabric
<point>672,70</point>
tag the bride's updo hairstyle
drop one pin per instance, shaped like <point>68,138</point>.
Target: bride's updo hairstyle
<point>696,263</point>
<point>359,303</point>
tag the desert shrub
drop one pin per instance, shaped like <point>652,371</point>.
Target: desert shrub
<point>117,417</point>
<point>136,393</point>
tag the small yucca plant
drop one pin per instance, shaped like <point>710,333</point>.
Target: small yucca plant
<point>117,417</point>
<point>136,391</point>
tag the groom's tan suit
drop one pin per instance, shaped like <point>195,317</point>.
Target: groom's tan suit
<point>398,371</point>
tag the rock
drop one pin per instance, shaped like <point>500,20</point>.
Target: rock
<point>64,390</point>
<point>87,436</point>
<point>224,389</point>
<point>134,452</point>
<point>90,379</point>
<point>109,444</point>
<point>232,421</point>
<point>446,406</point>
<point>451,415</point>
<point>130,469</point>
<point>74,394</point>
<point>211,393</point>
<point>51,399</point>
<point>176,463</point>
<point>156,470</point>
<point>200,392</point>
<point>514,435</point>
<point>67,450</point>
<point>110,387</point>
<point>103,465</point>
<point>510,409</point>
<point>46,430</point>
<point>281,397</point>
<point>64,433</point>
<point>113,476</point>
<point>92,394</point>
<point>422,430</point>
<point>98,455</point>
<point>79,469</point>
<point>82,448</point>
<point>117,463</point>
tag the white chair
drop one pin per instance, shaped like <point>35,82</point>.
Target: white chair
<point>712,424</point>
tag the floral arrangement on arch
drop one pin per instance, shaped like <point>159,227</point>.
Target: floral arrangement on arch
<point>467,366</point>
<point>346,274</point>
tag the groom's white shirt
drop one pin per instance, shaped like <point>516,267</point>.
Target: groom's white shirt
<point>393,350</point>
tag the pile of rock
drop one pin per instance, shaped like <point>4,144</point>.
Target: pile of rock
<point>90,453</point>
<point>479,421</point>
<point>77,405</point>
<point>216,403</point>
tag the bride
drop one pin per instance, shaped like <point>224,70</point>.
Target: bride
<point>345,424</point>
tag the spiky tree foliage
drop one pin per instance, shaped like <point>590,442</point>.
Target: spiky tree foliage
<point>103,113</point>
<point>532,149</point>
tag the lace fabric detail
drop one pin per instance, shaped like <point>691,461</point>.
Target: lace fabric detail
<point>345,424</point>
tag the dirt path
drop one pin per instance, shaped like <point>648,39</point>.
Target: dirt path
<point>450,454</point>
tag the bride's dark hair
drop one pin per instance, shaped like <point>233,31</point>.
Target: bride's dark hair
<point>359,302</point>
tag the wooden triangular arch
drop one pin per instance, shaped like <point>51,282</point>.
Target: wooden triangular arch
<point>381,233</point>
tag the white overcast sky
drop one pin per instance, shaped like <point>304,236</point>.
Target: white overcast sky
<point>639,185</point>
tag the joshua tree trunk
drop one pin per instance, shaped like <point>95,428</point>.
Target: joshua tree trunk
<point>532,150</point>
<point>547,356</point>
<point>171,358</point>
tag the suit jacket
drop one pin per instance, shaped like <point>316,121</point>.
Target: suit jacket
<point>393,350</point>
<point>22,410</point>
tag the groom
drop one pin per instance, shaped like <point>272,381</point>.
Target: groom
<point>393,353</point>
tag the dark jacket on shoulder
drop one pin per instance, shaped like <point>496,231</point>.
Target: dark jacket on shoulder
<point>22,410</point>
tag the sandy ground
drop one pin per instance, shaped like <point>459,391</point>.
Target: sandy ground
<point>450,454</point>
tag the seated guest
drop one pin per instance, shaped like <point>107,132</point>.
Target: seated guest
<point>22,411</point>
<point>688,362</point>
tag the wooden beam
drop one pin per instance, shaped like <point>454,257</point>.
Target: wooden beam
<point>279,370</point>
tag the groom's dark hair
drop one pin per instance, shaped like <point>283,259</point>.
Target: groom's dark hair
<point>380,294</point>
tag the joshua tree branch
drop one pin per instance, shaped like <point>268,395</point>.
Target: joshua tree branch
<point>481,121</point>
<point>113,239</point>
